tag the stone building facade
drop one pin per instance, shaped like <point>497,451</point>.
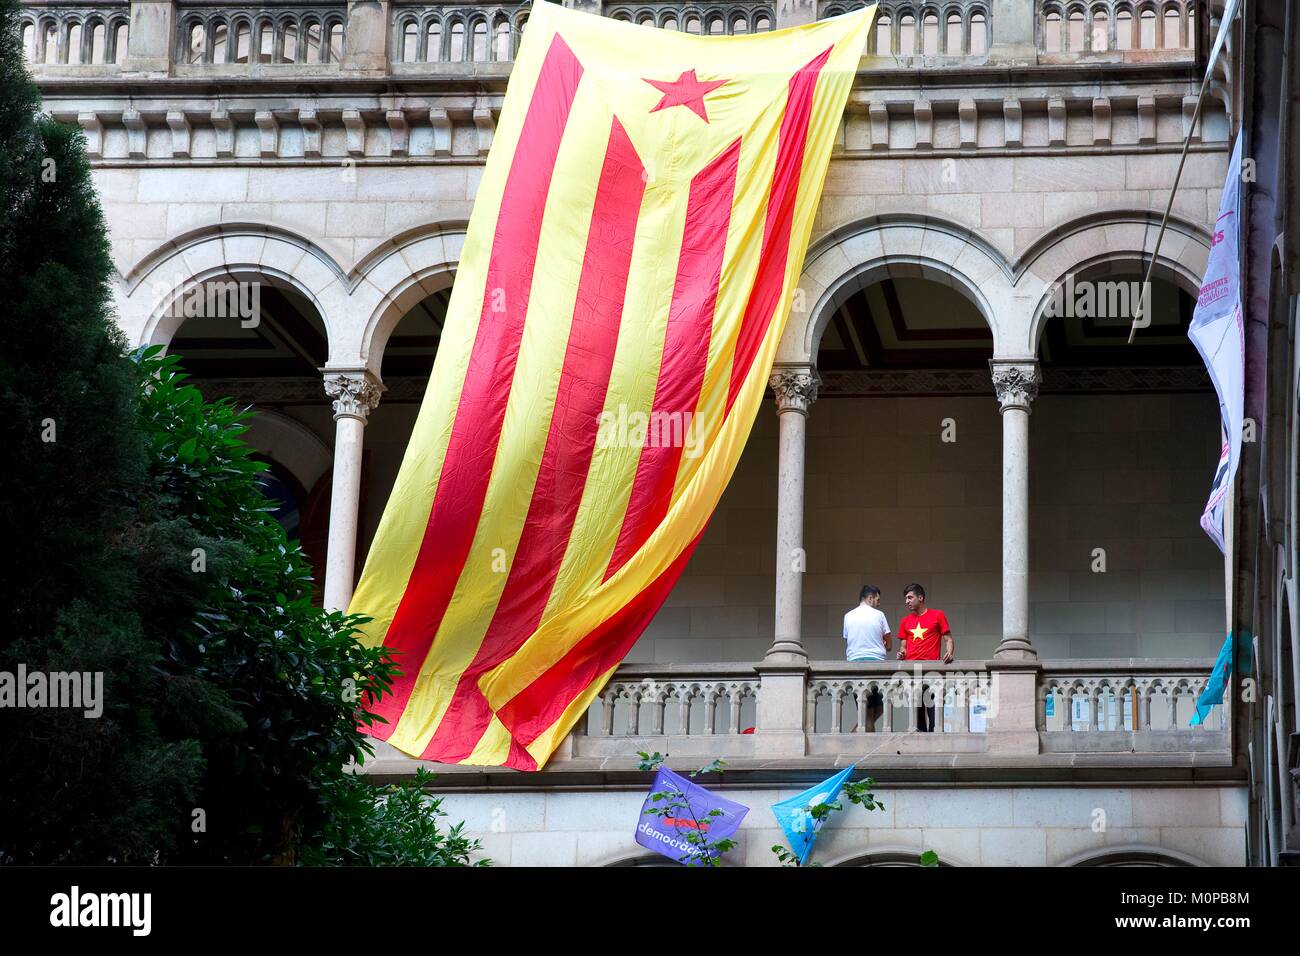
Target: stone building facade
<point>939,411</point>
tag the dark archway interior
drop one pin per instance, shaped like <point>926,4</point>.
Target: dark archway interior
<point>905,322</point>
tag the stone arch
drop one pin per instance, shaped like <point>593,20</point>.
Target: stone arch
<point>290,444</point>
<point>1105,242</point>
<point>395,277</point>
<point>890,855</point>
<point>1133,854</point>
<point>637,857</point>
<point>856,254</point>
<point>239,249</point>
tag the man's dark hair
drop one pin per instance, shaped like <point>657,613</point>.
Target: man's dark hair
<point>868,590</point>
<point>914,589</point>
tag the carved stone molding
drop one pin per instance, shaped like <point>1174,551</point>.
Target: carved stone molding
<point>795,388</point>
<point>1016,383</point>
<point>355,394</point>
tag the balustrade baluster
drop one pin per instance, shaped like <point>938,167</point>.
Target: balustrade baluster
<point>607,701</point>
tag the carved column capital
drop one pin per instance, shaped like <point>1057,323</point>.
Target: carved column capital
<point>795,387</point>
<point>1016,383</point>
<point>355,392</point>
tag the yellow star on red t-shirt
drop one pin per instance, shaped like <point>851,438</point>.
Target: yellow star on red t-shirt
<point>918,633</point>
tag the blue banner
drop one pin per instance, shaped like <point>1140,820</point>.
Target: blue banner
<point>793,816</point>
<point>691,806</point>
<point>1213,693</point>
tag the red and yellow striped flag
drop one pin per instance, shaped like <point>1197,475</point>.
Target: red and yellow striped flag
<point>634,249</point>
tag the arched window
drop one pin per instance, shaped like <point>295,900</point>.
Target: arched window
<point>1124,30</point>
<point>219,43</point>
<point>194,49</point>
<point>716,26</point>
<point>1100,28</point>
<point>739,27</point>
<point>98,43</point>
<point>433,41</point>
<point>74,43</point>
<point>408,50</point>
<point>49,43</point>
<point>1191,26</point>
<point>480,41</point>
<point>334,42</point>
<point>930,34</point>
<point>289,47</point>
<point>907,35</point>
<point>241,50</point>
<point>456,50</point>
<point>670,23</point>
<point>884,27</point>
<point>265,43</point>
<point>501,44</point>
<point>1052,32</point>
<point>1076,31</point>
<point>311,39</point>
<point>1172,22</point>
<point>693,25</point>
<point>119,43</point>
<point>979,34</point>
<point>1147,30</point>
<point>762,24</point>
<point>952,35</point>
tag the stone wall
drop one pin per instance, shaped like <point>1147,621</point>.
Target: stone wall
<point>888,502</point>
<point>985,826</point>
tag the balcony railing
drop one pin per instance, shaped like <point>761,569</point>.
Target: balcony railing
<point>235,38</point>
<point>1162,29</point>
<point>88,37</point>
<point>292,37</point>
<point>1099,707</point>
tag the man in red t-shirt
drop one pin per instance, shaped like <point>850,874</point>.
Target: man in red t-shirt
<point>921,633</point>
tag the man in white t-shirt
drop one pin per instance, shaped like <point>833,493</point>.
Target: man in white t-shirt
<point>866,638</point>
<point>866,632</point>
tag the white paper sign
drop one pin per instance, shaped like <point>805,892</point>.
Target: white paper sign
<point>1216,331</point>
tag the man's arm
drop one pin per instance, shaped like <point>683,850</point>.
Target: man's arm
<point>887,641</point>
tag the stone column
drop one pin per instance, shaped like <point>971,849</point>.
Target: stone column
<point>366,37</point>
<point>1012,25</point>
<point>1013,719</point>
<point>355,393</point>
<point>783,672</point>
<point>150,36</point>
<point>1017,386</point>
<point>795,387</point>
<point>792,13</point>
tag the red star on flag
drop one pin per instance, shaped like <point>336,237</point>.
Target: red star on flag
<point>687,90</point>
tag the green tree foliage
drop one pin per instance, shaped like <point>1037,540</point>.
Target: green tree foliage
<point>73,789</point>
<point>148,554</point>
<point>269,683</point>
<point>399,827</point>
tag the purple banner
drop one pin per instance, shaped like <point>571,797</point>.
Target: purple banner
<point>690,807</point>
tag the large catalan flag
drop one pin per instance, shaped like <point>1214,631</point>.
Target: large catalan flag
<point>629,266</point>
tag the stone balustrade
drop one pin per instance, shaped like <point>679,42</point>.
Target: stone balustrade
<point>1073,27</point>
<point>89,36</point>
<point>1104,707</point>
<point>236,37</point>
<point>840,697</point>
<point>1126,705</point>
<point>201,38</point>
<point>652,701</point>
